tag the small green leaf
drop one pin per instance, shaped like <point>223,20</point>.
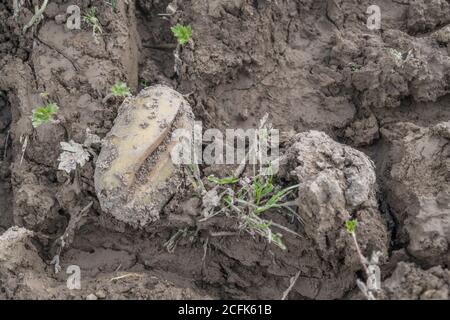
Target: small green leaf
<point>43,114</point>
<point>91,19</point>
<point>182,33</point>
<point>120,89</point>
<point>227,180</point>
<point>273,202</point>
<point>227,199</point>
<point>351,225</point>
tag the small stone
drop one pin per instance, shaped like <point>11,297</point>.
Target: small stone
<point>60,19</point>
<point>101,294</point>
<point>91,297</point>
<point>443,35</point>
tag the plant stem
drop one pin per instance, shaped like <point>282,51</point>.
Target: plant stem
<point>360,255</point>
<point>291,285</point>
<point>37,15</point>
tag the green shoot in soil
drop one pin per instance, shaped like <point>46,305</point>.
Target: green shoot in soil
<point>182,33</point>
<point>91,19</point>
<point>120,89</point>
<point>351,225</point>
<point>43,114</point>
<point>227,180</point>
<point>248,198</point>
<point>372,287</point>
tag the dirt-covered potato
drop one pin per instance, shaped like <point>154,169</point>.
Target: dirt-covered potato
<point>135,176</point>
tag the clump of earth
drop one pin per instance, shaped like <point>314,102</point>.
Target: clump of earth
<point>364,123</point>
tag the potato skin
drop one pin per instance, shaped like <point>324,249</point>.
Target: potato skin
<point>134,176</point>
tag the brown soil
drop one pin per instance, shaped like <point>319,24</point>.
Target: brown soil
<point>365,132</point>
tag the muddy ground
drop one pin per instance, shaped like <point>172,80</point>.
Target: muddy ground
<point>365,122</point>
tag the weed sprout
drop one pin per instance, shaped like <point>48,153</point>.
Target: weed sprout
<point>120,89</point>
<point>44,114</point>
<point>182,33</point>
<point>247,199</point>
<point>372,288</point>
<point>91,19</point>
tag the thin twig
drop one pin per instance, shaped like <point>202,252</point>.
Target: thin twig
<point>125,276</point>
<point>223,234</point>
<point>24,142</point>
<point>74,64</point>
<point>6,145</point>
<point>360,255</point>
<point>17,4</point>
<point>70,228</point>
<point>205,251</point>
<point>293,281</point>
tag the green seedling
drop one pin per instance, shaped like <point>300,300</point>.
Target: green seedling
<point>120,89</point>
<point>372,286</point>
<point>350,225</point>
<point>43,114</point>
<point>182,33</point>
<point>275,200</point>
<point>223,181</point>
<point>262,227</point>
<point>91,19</point>
<point>262,186</point>
<point>249,198</point>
